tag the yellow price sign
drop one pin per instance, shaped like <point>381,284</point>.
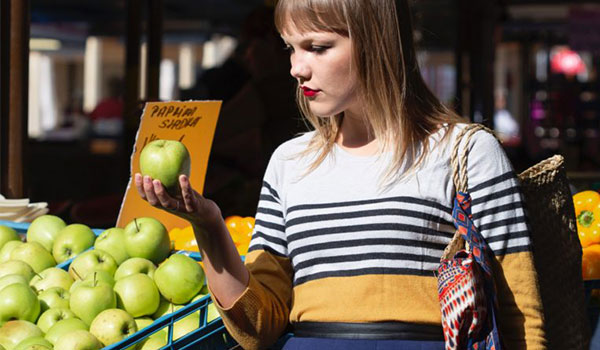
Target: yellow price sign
<point>191,122</point>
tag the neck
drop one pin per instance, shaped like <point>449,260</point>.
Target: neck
<point>356,136</point>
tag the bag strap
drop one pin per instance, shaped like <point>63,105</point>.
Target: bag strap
<point>460,178</point>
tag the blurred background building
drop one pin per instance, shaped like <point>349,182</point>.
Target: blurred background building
<point>75,75</point>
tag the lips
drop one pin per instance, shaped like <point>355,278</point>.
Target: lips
<point>308,92</point>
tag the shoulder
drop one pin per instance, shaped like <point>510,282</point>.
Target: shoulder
<point>286,157</point>
<point>292,147</point>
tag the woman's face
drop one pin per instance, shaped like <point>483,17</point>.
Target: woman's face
<point>321,62</point>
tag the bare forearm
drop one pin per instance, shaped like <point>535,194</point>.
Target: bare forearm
<point>225,272</point>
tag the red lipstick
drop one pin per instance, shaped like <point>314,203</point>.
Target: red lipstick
<point>308,92</point>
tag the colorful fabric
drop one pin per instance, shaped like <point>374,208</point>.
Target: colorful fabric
<point>466,288</point>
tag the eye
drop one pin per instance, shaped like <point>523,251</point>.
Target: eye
<point>318,48</point>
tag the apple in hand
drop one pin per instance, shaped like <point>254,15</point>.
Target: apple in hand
<point>112,241</point>
<point>44,230</point>
<point>78,340</point>
<point>34,343</point>
<point>179,278</point>
<point>98,276</point>
<point>135,265</point>
<point>7,249</point>
<point>35,255</point>
<point>14,332</point>
<point>137,294</point>
<point>65,326</point>
<point>165,160</point>
<point>51,277</point>
<point>90,298</point>
<point>147,238</point>
<point>72,240</point>
<point>18,267</point>
<point>18,302</point>
<point>8,234</point>
<point>90,261</point>
<point>55,297</point>
<point>51,316</point>
<point>113,325</point>
<point>11,279</point>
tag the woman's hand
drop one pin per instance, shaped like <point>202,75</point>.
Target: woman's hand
<point>191,205</point>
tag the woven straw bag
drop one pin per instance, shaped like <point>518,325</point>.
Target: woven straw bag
<point>557,253</point>
<point>556,250</point>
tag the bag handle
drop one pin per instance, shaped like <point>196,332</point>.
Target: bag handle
<point>460,179</point>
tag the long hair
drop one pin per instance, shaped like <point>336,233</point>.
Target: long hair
<point>399,107</point>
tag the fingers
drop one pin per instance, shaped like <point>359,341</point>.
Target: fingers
<point>163,197</point>
<point>149,191</point>
<point>138,185</point>
<point>187,193</point>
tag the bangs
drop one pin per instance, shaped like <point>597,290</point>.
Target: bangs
<point>311,16</point>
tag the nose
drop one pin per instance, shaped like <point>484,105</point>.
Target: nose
<point>300,68</point>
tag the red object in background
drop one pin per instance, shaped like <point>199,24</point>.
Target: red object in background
<point>108,108</point>
<point>568,62</point>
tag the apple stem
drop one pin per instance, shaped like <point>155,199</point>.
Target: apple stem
<point>78,275</point>
<point>95,278</point>
<point>40,276</point>
<point>136,224</point>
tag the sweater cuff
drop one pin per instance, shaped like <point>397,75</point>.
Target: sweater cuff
<point>247,304</point>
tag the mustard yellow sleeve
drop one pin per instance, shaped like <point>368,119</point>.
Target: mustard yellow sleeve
<point>520,314</point>
<point>260,315</point>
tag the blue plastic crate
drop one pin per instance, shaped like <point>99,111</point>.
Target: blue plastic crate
<point>208,336</point>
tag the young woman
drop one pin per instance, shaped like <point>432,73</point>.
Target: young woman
<point>354,216</point>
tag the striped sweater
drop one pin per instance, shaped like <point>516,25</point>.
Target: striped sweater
<point>334,245</point>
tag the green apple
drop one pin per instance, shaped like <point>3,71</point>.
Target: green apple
<point>44,230</point>
<point>7,249</point>
<point>34,343</point>
<point>78,340</point>
<point>98,276</point>
<point>54,297</point>
<point>147,238</point>
<point>65,326</point>
<point>14,332</point>
<point>164,307</point>
<point>90,298</point>
<point>90,261</point>
<point>165,160</point>
<point>8,234</point>
<point>34,347</point>
<point>51,277</point>
<point>137,294</point>
<point>11,279</point>
<point>212,313</point>
<point>18,267</point>
<point>72,240</point>
<point>113,325</point>
<point>179,278</point>
<point>35,255</point>
<point>135,265</point>
<point>18,302</point>
<point>155,342</point>
<point>49,317</point>
<point>186,325</point>
<point>143,322</point>
<point>112,241</point>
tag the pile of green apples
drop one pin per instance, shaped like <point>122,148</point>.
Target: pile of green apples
<point>116,284</point>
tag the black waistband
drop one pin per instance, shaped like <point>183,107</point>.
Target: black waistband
<point>376,330</point>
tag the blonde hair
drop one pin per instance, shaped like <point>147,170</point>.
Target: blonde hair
<point>399,107</point>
